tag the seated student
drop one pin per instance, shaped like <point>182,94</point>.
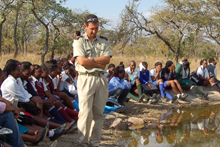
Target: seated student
<point>155,74</point>
<point>42,90</point>
<point>145,79</point>
<point>8,116</point>
<point>204,78</point>
<point>71,87</point>
<point>182,70</point>
<point>169,77</point>
<point>12,88</point>
<point>212,69</point>
<point>134,74</point>
<point>119,86</point>
<point>110,71</point>
<point>52,68</point>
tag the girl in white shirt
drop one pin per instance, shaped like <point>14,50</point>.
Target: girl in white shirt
<point>203,74</point>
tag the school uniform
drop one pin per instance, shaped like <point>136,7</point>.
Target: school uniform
<point>145,77</point>
<point>119,88</point>
<point>166,76</point>
<point>212,69</point>
<point>132,75</point>
<point>203,72</point>
<point>71,88</point>
<point>153,73</point>
<point>12,88</point>
<point>62,81</point>
<point>182,75</point>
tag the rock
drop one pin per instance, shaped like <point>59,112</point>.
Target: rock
<point>136,121</point>
<point>118,124</point>
<point>133,127</point>
<point>109,117</point>
<point>117,115</point>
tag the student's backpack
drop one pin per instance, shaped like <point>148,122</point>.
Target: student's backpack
<point>147,89</point>
<point>194,77</point>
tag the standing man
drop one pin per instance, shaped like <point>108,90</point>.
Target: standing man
<point>92,54</point>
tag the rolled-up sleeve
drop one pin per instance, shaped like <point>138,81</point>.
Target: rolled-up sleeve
<point>78,48</point>
<point>2,107</point>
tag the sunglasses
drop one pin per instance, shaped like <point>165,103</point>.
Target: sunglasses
<point>93,20</point>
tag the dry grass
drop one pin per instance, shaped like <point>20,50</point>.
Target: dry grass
<point>36,59</point>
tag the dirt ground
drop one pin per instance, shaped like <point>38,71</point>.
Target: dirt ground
<point>150,113</point>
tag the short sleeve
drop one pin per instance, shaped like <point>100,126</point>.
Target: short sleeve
<point>199,71</point>
<point>206,73</point>
<point>152,72</point>
<point>107,51</point>
<point>78,48</point>
<point>64,77</point>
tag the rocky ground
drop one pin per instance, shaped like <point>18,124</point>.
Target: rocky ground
<point>137,115</point>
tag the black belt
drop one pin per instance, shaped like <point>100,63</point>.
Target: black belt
<point>96,74</point>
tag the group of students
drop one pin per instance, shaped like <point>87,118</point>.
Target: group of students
<point>47,101</point>
<point>125,83</point>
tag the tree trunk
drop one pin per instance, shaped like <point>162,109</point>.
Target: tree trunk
<point>46,45</point>
<point>15,35</point>
<point>176,58</point>
<point>1,25</point>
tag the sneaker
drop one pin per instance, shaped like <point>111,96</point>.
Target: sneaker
<point>174,99</point>
<point>164,99</point>
<point>204,98</point>
<point>57,133</point>
<point>121,109</point>
<point>183,97</point>
<point>153,100</point>
<point>158,96</point>
<point>73,125</point>
<point>140,99</point>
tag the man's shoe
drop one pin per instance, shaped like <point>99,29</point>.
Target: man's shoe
<point>57,133</point>
<point>183,97</point>
<point>54,144</point>
<point>140,99</point>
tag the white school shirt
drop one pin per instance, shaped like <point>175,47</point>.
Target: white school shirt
<point>202,71</point>
<point>153,73</point>
<point>71,88</point>
<point>62,81</point>
<point>13,88</point>
<point>134,74</point>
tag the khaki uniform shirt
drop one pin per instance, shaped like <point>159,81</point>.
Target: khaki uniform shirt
<point>84,47</point>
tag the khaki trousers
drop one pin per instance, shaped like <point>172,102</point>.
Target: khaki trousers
<point>93,94</point>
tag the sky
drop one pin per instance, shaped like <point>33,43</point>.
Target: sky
<point>110,9</point>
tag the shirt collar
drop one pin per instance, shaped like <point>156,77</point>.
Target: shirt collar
<point>34,79</point>
<point>87,38</point>
<point>11,77</point>
<point>50,77</point>
<point>212,64</point>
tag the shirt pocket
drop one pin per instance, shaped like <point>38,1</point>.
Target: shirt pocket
<point>100,50</point>
<point>88,52</point>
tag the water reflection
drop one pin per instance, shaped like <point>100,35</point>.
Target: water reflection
<point>198,126</point>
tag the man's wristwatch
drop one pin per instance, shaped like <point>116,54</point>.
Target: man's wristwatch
<point>91,58</point>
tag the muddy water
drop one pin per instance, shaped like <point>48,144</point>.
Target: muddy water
<point>188,127</point>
